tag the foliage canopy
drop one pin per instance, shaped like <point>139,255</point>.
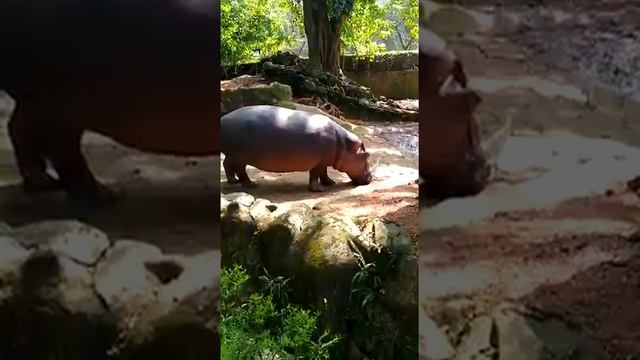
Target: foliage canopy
<point>248,26</point>
<point>251,29</point>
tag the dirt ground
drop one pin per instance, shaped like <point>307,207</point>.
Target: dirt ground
<point>393,194</point>
<point>166,201</point>
<point>557,231</point>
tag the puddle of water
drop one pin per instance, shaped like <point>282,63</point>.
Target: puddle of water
<point>541,86</point>
<point>403,136</point>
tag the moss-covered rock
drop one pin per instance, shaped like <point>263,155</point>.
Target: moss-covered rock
<point>319,251</point>
<point>351,97</point>
<point>251,90</point>
<point>238,228</point>
<point>276,239</point>
<point>327,265</point>
<point>388,235</point>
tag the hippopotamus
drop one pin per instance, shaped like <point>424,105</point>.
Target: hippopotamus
<point>143,73</point>
<point>451,159</point>
<point>277,139</point>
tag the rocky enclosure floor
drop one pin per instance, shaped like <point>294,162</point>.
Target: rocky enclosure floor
<point>151,208</point>
<point>544,263</point>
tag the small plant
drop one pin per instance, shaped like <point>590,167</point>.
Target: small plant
<point>366,284</point>
<point>232,283</point>
<point>366,290</point>
<point>277,288</point>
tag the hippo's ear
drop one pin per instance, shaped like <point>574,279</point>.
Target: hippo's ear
<point>354,146</point>
<point>362,151</point>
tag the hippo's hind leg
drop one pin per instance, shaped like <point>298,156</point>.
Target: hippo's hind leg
<point>237,173</point>
<point>229,171</point>
<point>27,145</point>
<point>66,156</point>
<point>318,177</point>
<point>246,182</point>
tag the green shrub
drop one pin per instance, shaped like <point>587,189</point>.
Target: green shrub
<point>255,326</point>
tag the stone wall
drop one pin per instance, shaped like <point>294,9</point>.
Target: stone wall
<point>393,75</point>
<point>69,292</point>
<point>402,84</point>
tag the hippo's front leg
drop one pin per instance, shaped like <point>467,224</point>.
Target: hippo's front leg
<point>25,136</point>
<point>83,188</point>
<point>229,171</point>
<point>236,173</point>
<point>318,177</point>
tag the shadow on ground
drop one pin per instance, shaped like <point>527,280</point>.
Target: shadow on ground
<point>166,201</point>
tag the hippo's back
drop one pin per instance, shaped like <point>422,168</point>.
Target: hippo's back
<point>275,130</point>
<point>142,72</point>
<point>57,43</point>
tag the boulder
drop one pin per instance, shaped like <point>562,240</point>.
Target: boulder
<point>525,337</point>
<point>248,90</point>
<point>481,341</point>
<point>237,230</point>
<point>68,290</point>
<point>12,256</point>
<point>434,344</point>
<point>78,241</point>
<point>319,251</point>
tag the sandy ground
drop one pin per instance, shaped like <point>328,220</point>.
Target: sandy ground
<point>557,231</point>
<point>392,195</point>
<point>166,201</point>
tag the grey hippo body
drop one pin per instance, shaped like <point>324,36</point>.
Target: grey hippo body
<point>142,72</point>
<point>277,139</point>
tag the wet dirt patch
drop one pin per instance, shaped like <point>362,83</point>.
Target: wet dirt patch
<point>602,301</point>
<point>606,52</point>
<point>556,231</point>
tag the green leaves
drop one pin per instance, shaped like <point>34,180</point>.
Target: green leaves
<point>255,326</point>
<point>366,29</point>
<point>251,29</point>
<point>406,12</point>
<point>337,8</point>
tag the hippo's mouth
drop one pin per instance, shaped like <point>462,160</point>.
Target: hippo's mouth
<point>469,179</point>
<point>362,180</point>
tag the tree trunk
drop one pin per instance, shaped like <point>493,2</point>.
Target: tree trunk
<point>323,37</point>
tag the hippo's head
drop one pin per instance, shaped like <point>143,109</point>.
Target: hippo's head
<point>451,159</point>
<point>355,162</point>
<point>465,178</point>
